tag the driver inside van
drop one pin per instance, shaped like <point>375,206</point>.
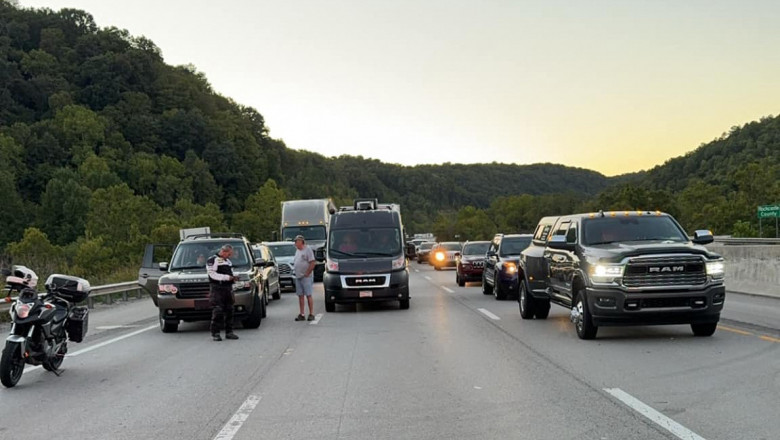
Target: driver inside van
<point>348,243</point>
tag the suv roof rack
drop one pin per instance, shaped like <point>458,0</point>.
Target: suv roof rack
<point>215,235</point>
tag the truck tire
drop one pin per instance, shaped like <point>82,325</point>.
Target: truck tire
<point>330,306</point>
<point>278,293</point>
<point>256,317</point>
<point>583,323</point>
<point>403,304</point>
<point>526,303</point>
<point>459,280</point>
<point>498,292</point>
<point>541,308</point>
<point>168,325</point>
<point>707,329</point>
<point>486,288</point>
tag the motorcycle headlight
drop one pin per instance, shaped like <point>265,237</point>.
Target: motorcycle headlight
<point>22,310</point>
<point>606,273</point>
<point>716,269</point>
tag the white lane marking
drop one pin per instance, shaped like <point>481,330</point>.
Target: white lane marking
<point>448,290</point>
<point>661,420</point>
<point>317,318</point>
<point>288,351</point>
<point>487,313</point>
<point>111,341</point>
<point>114,327</point>
<point>417,270</point>
<point>427,277</point>
<point>237,421</point>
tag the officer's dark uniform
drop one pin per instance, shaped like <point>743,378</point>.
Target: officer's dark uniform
<point>220,272</point>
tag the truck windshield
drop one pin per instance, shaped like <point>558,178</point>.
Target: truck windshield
<point>605,230</point>
<point>373,242</point>
<point>514,246</point>
<point>308,232</point>
<point>193,255</point>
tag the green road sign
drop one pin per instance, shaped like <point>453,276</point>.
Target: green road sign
<point>768,211</point>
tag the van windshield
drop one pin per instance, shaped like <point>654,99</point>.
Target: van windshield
<point>373,242</point>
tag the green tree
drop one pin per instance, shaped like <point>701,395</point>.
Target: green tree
<point>263,213</point>
<point>64,207</point>
<point>35,251</point>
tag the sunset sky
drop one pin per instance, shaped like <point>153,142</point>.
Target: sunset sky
<point>614,86</point>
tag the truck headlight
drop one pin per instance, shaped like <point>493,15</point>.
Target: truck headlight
<point>716,269</point>
<point>439,256</point>
<point>510,268</point>
<point>242,285</point>
<point>399,263</point>
<point>606,273</point>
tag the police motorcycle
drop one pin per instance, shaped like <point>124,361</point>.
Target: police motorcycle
<point>42,324</point>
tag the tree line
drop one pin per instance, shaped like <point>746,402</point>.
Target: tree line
<point>104,147</point>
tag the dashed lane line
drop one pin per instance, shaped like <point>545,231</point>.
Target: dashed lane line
<point>447,289</point>
<point>317,318</point>
<point>656,417</point>
<point>489,314</point>
<point>239,418</point>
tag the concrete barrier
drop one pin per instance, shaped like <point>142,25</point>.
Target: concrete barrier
<point>751,269</point>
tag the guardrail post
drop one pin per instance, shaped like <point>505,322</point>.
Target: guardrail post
<point>109,299</point>
<point>124,295</point>
<point>90,302</point>
<point>140,293</point>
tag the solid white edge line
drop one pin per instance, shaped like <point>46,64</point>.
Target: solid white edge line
<point>448,289</point>
<point>237,421</point>
<point>317,318</point>
<point>490,315</point>
<point>110,341</point>
<point>659,419</point>
<point>427,277</point>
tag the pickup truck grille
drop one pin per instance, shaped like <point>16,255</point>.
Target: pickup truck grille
<point>285,269</point>
<point>194,290</point>
<point>685,270</point>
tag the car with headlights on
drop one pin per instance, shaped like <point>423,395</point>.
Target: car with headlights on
<point>424,251</point>
<point>471,262</point>
<point>444,254</point>
<point>622,268</point>
<point>499,276</point>
<point>182,284</point>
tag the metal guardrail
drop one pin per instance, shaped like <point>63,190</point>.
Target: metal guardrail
<point>729,241</point>
<point>98,291</point>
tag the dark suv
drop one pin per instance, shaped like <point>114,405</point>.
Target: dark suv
<point>180,289</point>
<point>471,262</point>
<point>500,274</point>
<point>622,268</point>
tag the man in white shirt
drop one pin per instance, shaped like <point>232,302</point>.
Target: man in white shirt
<point>303,269</point>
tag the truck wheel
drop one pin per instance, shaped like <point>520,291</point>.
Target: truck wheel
<point>487,289</point>
<point>526,303</point>
<point>403,304</point>
<point>256,317</point>
<point>461,282</point>
<point>541,308</point>
<point>330,306</point>
<point>704,329</point>
<point>582,320</point>
<point>168,325</point>
<point>278,293</point>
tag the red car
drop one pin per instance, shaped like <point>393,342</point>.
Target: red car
<point>470,262</point>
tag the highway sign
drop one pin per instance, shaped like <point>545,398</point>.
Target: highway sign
<point>768,211</point>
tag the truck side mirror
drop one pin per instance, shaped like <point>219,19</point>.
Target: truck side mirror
<point>259,262</point>
<point>703,236</point>
<point>559,242</point>
<point>163,265</point>
<point>319,254</point>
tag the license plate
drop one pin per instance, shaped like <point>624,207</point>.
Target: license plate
<point>366,294</point>
<point>202,304</point>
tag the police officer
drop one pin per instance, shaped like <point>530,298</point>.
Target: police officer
<point>221,278</point>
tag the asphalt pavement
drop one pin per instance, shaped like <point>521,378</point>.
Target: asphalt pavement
<point>457,364</point>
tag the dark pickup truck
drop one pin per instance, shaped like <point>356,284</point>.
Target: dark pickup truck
<point>622,268</point>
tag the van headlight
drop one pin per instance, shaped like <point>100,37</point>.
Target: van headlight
<point>399,263</point>
<point>716,269</point>
<point>332,265</point>
<point>606,273</point>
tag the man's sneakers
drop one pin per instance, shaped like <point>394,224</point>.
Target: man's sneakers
<point>300,318</point>
<point>230,335</point>
<point>311,317</point>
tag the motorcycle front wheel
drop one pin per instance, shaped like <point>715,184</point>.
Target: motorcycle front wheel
<point>11,364</point>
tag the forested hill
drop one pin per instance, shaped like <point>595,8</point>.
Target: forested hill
<point>88,114</point>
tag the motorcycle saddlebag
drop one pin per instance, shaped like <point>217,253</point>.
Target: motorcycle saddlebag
<point>77,323</point>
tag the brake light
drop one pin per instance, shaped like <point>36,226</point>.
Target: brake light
<point>22,310</point>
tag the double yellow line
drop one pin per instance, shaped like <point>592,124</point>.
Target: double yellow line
<point>747,333</point>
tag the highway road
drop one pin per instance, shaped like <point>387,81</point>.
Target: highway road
<point>456,365</point>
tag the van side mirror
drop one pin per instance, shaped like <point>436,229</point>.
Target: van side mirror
<point>703,236</point>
